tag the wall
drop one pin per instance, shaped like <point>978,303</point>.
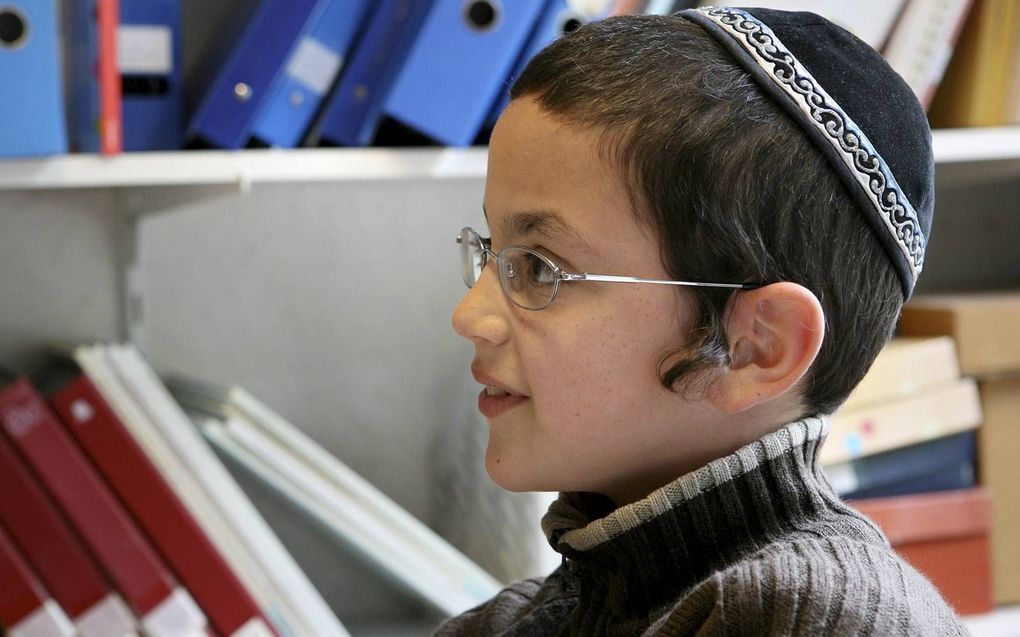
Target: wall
<point>331,302</point>
<point>58,270</point>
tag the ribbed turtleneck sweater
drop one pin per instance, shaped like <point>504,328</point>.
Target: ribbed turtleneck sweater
<point>754,543</point>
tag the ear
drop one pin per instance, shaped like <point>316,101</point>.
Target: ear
<point>775,333</point>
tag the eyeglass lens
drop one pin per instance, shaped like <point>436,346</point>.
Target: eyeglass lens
<point>527,278</point>
<point>472,256</point>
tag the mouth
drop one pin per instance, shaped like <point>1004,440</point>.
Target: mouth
<point>493,401</point>
<point>495,398</point>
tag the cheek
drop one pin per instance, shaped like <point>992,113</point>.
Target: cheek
<point>605,364</point>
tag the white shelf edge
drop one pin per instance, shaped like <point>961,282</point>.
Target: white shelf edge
<point>964,145</point>
<point>1001,622</point>
<point>215,167</point>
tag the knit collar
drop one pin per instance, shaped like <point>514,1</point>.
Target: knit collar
<point>643,554</point>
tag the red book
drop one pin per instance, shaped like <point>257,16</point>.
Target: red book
<point>157,509</point>
<point>35,525</point>
<point>111,136</point>
<point>119,547</point>
<point>945,536</point>
<point>25,606</point>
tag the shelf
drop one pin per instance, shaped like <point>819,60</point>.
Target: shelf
<point>961,154</point>
<point>240,168</point>
<point>965,145</point>
<point>1001,622</point>
<point>967,157</point>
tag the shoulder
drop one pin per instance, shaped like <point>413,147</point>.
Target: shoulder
<point>522,608</point>
<point>831,586</point>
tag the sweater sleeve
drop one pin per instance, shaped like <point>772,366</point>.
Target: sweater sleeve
<point>821,587</point>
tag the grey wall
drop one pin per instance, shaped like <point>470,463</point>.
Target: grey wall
<point>331,302</point>
<point>58,270</point>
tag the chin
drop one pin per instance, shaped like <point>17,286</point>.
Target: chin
<point>513,478</point>
<point>507,480</point>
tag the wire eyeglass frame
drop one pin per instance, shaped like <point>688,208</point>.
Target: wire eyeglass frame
<point>472,270</point>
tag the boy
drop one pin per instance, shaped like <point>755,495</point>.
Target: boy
<point>752,190</point>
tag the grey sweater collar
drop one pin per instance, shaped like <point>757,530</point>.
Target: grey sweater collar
<point>649,550</point>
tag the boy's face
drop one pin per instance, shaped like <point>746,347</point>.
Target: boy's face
<point>592,414</point>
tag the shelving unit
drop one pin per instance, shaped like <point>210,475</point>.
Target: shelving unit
<point>322,280</point>
<point>969,156</point>
<point>961,145</point>
<point>240,168</point>
<point>984,153</point>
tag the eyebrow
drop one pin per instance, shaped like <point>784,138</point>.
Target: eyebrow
<point>541,222</point>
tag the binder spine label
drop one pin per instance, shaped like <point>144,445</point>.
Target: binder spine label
<point>314,66</point>
<point>145,49</point>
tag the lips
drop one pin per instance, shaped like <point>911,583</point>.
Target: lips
<point>492,406</point>
<point>495,398</point>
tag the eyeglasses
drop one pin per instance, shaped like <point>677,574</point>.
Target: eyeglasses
<point>531,280</point>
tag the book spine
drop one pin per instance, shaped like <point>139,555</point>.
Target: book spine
<point>922,42</point>
<point>26,608</point>
<point>252,550</point>
<point>117,544</point>
<point>948,36</point>
<point>195,476</point>
<point>907,465</point>
<point>62,564</point>
<point>906,366</point>
<point>939,411</point>
<point>156,508</point>
<point>111,137</point>
<point>415,535</point>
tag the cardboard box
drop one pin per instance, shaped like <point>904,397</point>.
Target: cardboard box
<point>945,536</point>
<point>999,474</point>
<point>986,328</point>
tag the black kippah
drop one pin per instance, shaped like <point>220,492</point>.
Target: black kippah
<point>854,107</point>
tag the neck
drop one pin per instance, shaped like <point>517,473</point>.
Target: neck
<point>648,551</point>
<point>726,440</point>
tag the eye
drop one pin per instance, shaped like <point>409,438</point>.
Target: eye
<point>538,270</point>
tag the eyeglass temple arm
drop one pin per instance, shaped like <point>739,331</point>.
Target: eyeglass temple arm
<point>609,278</point>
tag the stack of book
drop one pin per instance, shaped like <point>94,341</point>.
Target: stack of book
<point>288,73</point>
<point>909,425</point>
<point>984,327</point>
<point>902,451</point>
<point>117,517</point>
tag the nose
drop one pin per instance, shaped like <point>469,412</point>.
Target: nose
<point>480,316</point>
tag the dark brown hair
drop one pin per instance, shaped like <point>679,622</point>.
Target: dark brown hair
<point>732,187</point>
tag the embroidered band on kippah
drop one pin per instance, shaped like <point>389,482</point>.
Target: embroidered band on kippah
<point>861,163</point>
